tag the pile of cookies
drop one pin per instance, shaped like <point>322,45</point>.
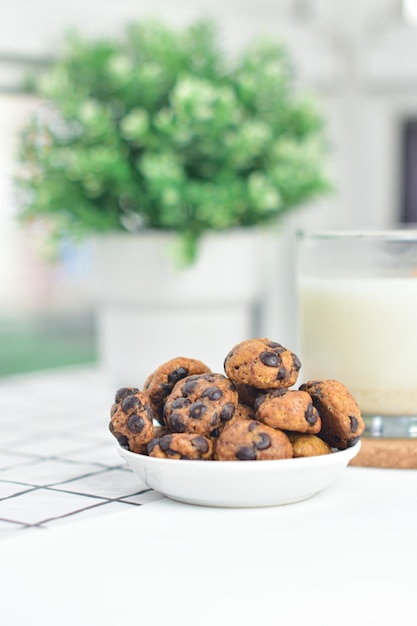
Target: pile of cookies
<point>250,413</point>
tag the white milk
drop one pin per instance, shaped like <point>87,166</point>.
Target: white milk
<point>363,332</point>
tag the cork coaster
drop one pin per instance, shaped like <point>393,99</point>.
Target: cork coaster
<point>390,453</point>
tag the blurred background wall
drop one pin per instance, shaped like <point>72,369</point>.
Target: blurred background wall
<point>358,56</point>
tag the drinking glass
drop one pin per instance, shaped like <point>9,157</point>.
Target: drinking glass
<point>357,305</point>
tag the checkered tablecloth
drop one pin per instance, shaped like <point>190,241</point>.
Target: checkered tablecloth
<point>58,461</point>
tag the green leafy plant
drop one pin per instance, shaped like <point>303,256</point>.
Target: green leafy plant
<point>161,129</point>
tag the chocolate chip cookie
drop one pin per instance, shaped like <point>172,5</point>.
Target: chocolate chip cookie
<point>304,444</point>
<point>342,422</point>
<point>132,419</point>
<point>160,383</point>
<point>288,410</point>
<point>262,363</point>
<point>200,403</point>
<point>249,440</point>
<point>181,446</point>
<point>243,412</point>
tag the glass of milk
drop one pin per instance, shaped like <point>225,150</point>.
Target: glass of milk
<point>357,297</point>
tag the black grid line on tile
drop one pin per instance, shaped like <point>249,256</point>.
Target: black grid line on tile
<point>42,523</point>
<point>18,492</point>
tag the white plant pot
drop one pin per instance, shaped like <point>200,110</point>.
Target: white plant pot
<point>149,311</point>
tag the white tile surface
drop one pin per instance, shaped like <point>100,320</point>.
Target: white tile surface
<point>144,497</point>
<point>112,484</point>
<point>54,431</point>
<point>8,488</point>
<point>110,508</point>
<point>39,505</point>
<point>53,444</point>
<point>48,472</point>
<point>6,527</point>
<point>11,459</point>
<point>104,453</point>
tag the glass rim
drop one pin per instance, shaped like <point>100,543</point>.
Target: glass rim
<point>393,234</point>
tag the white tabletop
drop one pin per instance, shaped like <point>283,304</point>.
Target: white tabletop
<point>346,556</point>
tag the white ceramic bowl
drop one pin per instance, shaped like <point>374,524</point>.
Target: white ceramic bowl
<point>240,483</point>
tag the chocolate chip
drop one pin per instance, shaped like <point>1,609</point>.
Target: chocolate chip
<point>136,423</point>
<point>122,440</point>
<point>149,411</point>
<point>296,362</point>
<point>274,344</point>
<point>311,415</point>
<point>212,393</point>
<point>277,393</point>
<point>200,444</point>
<point>354,423</point>
<point>122,393</point>
<point>113,409</point>
<point>215,433</point>
<point>165,389</point>
<point>214,419</point>
<point>282,373</point>
<point>197,410</point>
<point>245,453</point>
<point>131,402</point>
<point>153,443</point>
<point>176,423</point>
<point>270,359</point>
<point>313,387</point>
<point>178,374</point>
<point>264,442</point>
<point>180,403</point>
<point>252,425</point>
<point>165,442</point>
<point>351,442</point>
<point>227,412</point>
<point>317,393</point>
<point>189,386</point>
<point>259,400</point>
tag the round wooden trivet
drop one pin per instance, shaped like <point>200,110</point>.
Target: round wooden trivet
<point>390,453</point>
